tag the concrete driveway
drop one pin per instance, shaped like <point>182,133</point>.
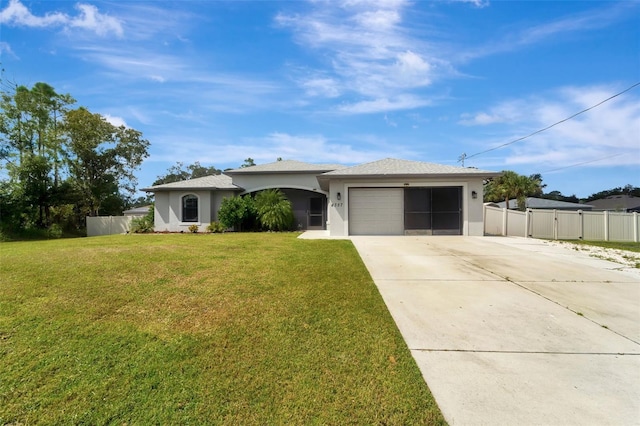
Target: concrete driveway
<point>513,331</point>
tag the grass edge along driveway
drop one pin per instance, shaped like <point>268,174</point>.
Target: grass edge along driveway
<point>192,329</point>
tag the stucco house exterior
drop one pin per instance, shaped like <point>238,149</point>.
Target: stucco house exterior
<point>385,197</point>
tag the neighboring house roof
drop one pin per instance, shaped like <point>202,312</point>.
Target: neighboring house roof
<point>202,183</point>
<point>286,166</point>
<point>542,203</point>
<point>137,211</point>
<point>621,202</point>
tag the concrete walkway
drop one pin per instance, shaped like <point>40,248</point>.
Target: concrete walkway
<point>511,331</point>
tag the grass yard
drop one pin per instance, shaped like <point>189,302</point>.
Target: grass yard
<point>200,329</point>
<point>629,246</point>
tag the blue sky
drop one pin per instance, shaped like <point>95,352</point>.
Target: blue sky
<point>349,81</point>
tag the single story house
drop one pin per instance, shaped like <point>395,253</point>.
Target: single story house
<point>544,204</point>
<point>137,211</point>
<point>385,197</point>
<point>618,203</point>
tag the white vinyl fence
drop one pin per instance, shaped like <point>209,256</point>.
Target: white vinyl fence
<point>108,225</point>
<point>563,225</point>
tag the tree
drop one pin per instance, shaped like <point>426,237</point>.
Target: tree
<point>140,201</point>
<point>557,195</point>
<point>248,162</point>
<point>274,210</point>
<point>31,146</point>
<point>511,185</point>
<point>626,190</point>
<point>177,173</point>
<point>61,164</point>
<point>101,157</point>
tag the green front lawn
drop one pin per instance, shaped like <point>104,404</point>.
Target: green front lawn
<point>629,246</point>
<point>200,329</point>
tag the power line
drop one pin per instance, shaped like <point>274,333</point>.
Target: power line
<point>585,162</point>
<point>554,124</point>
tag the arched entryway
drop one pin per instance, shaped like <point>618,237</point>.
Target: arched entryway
<point>309,208</point>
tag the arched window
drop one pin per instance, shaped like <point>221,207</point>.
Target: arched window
<point>190,208</point>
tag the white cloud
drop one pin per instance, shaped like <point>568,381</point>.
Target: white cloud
<point>390,122</point>
<point>384,104</point>
<point>116,121</point>
<point>322,87</point>
<point>476,3</point>
<point>136,63</point>
<point>310,148</point>
<point>5,48</point>
<point>88,18</point>
<point>382,19</point>
<point>17,14</point>
<point>589,20</point>
<point>368,54</point>
<point>509,111</point>
<point>413,70</point>
<point>599,134</point>
<point>91,19</point>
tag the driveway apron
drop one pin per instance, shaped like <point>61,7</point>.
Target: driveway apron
<point>512,331</point>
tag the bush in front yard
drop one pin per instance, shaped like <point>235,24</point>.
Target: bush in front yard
<point>238,213</point>
<point>216,228</point>
<point>141,225</point>
<point>274,210</point>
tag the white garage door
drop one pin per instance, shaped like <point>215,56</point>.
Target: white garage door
<point>376,211</point>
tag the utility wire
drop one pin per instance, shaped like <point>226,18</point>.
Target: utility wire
<point>585,162</point>
<point>553,125</point>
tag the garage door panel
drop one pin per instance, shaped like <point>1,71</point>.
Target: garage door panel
<point>376,211</point>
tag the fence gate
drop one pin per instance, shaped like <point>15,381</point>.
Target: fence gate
<point>563,225</point>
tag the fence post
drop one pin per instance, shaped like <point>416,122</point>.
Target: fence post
<point>527,223</point>
<point>606,225</point>
<point>581,224</point>
<point>636,238</point>
<point>555,224</point>
<point>505,214</point>
<point>484,219</point>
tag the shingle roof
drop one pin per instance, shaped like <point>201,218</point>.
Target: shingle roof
<point>137,210</point>
<point>286,166</point>
<point>202,183</point>
<point>396,167</point>
<point>542,203</point>
<point>621,202</point>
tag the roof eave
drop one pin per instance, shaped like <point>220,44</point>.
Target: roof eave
<point>275,172</point>
<point>324,179</point>
<point>191,188</point>
<point>410,175</point>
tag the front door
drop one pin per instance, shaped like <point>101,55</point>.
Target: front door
<point>315,214</point>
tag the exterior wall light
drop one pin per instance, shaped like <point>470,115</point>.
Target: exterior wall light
<point>474,194</point>
<point>339,196</point>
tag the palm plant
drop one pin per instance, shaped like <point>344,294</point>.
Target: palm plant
<point>274,210</point>
<point>511,185</point>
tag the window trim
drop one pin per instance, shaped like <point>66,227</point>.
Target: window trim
<point>183,209</point>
